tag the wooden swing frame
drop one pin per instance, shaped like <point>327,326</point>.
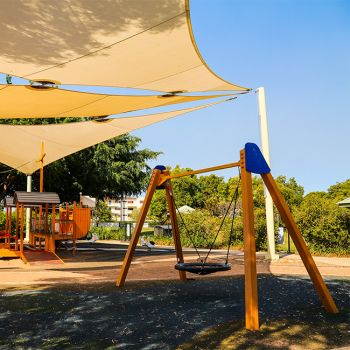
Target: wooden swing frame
<point>251,161</point>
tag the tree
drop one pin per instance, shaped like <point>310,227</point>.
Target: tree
<point>323,224</point>
<point>291,191</point>
<point>186,192</point>
<point>135,214</point>
<point>102,212</point>
<point>158,208</point>
<point>186,189</point>
<point>258,192</point>
<point>340,190</point>
<point>213,191</point>
<point>114,168</point>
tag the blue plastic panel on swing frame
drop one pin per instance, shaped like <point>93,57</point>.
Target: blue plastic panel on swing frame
<point>160,167</point>
<point>254,160</point>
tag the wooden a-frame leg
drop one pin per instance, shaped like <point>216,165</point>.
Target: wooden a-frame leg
<point>251,288</point>
<point>138,228</point>
<point>21,230</point>
<point>299,242</point>
<point>175,228</point>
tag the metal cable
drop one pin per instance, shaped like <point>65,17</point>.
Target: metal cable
<point>187,231</point>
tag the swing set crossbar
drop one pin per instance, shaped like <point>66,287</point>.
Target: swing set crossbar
<point>199,171</point>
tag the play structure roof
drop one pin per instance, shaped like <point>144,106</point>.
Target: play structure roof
<point>345,203</point>
<point>8,202</point>
<point>185,209</point>
<point>135,44</point>
<point>61,140</point>
<point>19,101</point>
<point>33,198</point>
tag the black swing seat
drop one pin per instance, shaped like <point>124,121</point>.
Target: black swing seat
<point>201,268</point>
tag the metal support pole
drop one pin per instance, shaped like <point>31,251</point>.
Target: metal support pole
<point>29,189</point>
<point>264,133</point>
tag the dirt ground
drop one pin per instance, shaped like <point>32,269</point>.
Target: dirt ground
<point>75,304</point>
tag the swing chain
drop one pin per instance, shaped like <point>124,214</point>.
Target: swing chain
<point>234,199</point>
<point>233,216</point>
<point>188,232</point>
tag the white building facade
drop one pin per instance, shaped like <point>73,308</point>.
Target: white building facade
<point>121,209</point>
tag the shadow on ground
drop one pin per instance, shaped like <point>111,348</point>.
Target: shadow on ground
<point>107,252</point>
<point>171,314</point>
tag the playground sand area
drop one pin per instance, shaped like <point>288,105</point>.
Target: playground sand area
<point>76,305</point>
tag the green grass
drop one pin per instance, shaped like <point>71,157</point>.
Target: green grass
<point>284,247</point>
<point>148,230</point>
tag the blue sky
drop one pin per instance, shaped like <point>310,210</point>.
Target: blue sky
<point>300,52</point>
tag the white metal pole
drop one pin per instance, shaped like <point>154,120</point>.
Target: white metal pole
<point>264,133</point>
<point>29,189</point>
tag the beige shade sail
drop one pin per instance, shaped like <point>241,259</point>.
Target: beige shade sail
<point>19,101</point>
<point>145,44</point>
<point>20,145</point>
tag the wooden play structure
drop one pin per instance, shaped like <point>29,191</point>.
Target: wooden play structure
<point>50,223</point>
<point>251,161</point>
<point>42,217</point>
<point>9,246</point>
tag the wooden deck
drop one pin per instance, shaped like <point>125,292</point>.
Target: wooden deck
<point>40,257</point>
<point>8,253</point>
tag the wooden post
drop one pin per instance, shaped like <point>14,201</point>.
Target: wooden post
<point>30,227</point>
<point>21,230</point>
<point>138,228</point>
<point>53,226</point>
<point>17,226</point>
<point>175,228</point>
<point>53,219</point>
<point>40,217</point>
<point>74,228</point>
<point>46,229</point>
<point>34,228</point>
<point>8,227</point>
<point>299,243</point>
<point>7,219</point>
<point>251,289</point>
<point>41,160</point>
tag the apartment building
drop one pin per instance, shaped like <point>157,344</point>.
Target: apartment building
<point>122,208</point>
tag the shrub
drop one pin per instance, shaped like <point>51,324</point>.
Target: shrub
<point>105,233</point>
<point>325,226</point>
<point>2,220</point>
<point>201,229</point>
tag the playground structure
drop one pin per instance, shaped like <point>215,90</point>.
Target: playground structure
<point>6,234</point>
<point>251,161</point>
<point>49,223</point>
